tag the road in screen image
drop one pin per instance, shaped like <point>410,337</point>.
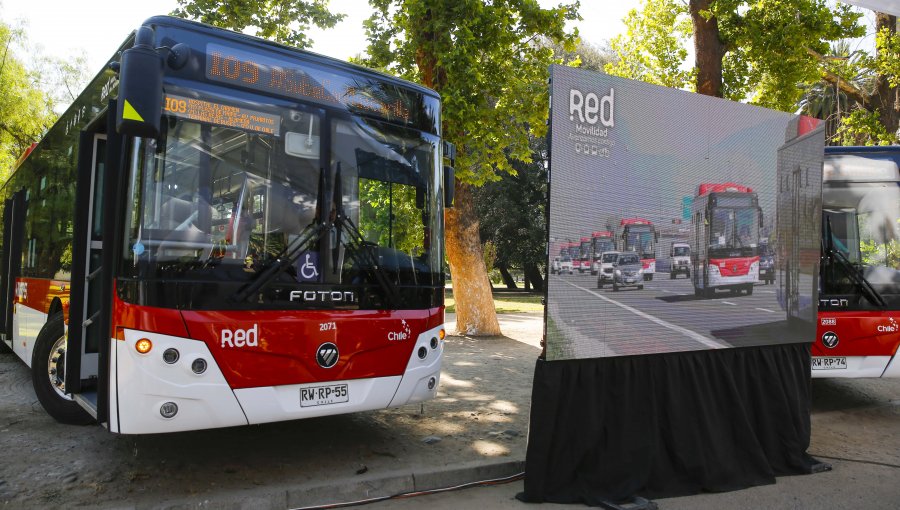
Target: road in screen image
<point>664,316</point>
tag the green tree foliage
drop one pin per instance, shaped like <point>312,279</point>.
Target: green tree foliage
<point>484,60</point>
<point>653,47</point>
<point>585,55</point>
<point>772,45</point>
<point>25,111</point>
<point>283,21</point>
<point>863,127</point>
<point>765,50</point>
<point>513,216</point>
<point>857,94</point>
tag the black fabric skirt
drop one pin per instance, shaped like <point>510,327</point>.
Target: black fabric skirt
<point>609,429</point>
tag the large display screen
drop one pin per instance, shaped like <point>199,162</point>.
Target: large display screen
<point>714,209</point>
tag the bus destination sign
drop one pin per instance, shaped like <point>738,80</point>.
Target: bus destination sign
<point>222,114</point>
<point>286,78</point>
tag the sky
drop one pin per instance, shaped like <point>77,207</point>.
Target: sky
<point>95,28</point>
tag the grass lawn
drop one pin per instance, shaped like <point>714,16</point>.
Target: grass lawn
<point>504,302</point>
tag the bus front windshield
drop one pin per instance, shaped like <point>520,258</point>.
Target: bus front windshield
<point>640,241</point>
<point>243,210</point>
<point>602,244</point>
<point>585,249</point>
<point>864,222</point>
<point>734,232</point>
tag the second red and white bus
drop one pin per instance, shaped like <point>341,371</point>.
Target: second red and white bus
<point>726,220</point>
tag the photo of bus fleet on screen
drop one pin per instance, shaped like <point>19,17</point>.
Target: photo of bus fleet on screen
<point>678,222</point>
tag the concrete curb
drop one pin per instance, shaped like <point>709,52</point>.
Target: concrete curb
<point>348,490</point>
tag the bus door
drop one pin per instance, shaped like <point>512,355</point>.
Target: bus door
<point>86,329</point>
<point>10,259</point>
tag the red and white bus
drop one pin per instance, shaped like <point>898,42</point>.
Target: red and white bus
<point>584,255</point>
<point>600,242</point>
<point>726,220</point>
<point>640,236</point>
<point>858,333</point>
<point>222,231</point>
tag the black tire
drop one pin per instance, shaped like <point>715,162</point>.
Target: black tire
<point>615,287</point>
<point>688,274</point>
<point>671,275</point>
<point>4,349</point>
<point>750,289</point>
<point>640,287</point>
<point>599,284</point>
<point>61,408</point>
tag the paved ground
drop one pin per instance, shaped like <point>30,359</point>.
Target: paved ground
<point>476,429</point>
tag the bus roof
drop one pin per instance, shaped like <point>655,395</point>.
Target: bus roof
<point>602,233</point>
<point>707,188</point>
<point>252,40</point>
<point>861,166</point>
<point>635,221</point>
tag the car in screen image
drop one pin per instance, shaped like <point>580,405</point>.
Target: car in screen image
<point>628,271</point>
<point>605,271</point>
<point>565,265</point>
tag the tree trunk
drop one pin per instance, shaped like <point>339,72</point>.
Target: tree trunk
<point>534,275</point>
<point>709,50</point>
<point>885,100</point>
<point>475,314</point>
<point>508,280</point>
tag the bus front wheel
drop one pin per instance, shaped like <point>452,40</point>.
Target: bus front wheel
<point>48,372</point>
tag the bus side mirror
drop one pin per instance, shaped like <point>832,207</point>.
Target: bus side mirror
<point>139,106</point>
<point>449,185</point>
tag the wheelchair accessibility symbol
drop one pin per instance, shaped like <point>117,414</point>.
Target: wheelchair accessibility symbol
<point>309,270</point>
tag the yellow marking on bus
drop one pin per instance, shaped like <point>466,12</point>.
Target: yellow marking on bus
<point>129,113</point>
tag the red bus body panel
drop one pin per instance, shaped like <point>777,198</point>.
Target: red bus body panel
<point>859,333</point>
<point>371,343</point>
<point>736,266</point>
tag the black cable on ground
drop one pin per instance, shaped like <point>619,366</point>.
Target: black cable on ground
<point>404,495</point>
<point>857,461</point>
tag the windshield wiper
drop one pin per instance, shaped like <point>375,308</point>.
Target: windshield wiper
<point>291,253</point>
<point>356,244</point>
<point>866,288</point>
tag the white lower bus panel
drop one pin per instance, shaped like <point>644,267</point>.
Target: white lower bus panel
<point>145,383</point>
